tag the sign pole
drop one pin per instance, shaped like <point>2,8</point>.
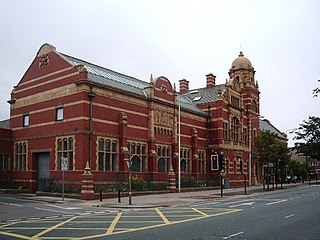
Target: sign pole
<point>64,167</point>
<point>63,186</point>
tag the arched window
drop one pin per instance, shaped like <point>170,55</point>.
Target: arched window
<point>185,163</point>
<point>183,166</point>
<point>138,151</point>
<point>161,165</point>
<point>135,165</point>
<point>235,129</point>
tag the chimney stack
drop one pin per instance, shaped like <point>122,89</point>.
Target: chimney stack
<point>184,86</point>
<point>211,80</point>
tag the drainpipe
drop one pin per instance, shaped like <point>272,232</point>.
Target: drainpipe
<point>91,95</point>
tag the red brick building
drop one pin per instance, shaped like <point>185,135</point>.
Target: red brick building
<point>67,107</point>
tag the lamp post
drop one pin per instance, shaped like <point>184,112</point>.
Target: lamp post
<point>179,138</point>
<point>129,164</point>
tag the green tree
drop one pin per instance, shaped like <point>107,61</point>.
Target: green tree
<point>308,136</point>
<point>316,91</point>
<point>270,150</point>
<point>296,168</point>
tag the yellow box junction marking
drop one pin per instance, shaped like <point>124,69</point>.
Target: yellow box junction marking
<point>114,223</point>
<point>119,218</point>
<point>198,211</point>
<point>52,228</point>
<point>163,217</point>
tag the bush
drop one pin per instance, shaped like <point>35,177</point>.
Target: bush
<point>138,184</point>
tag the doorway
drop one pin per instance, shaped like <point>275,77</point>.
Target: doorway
<point>43,171</point>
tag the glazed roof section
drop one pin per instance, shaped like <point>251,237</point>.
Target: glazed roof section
<point>5,124</point>
<point>265,125</point>
<point>123,82</point>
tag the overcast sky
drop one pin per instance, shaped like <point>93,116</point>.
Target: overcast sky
<point>176,39</point>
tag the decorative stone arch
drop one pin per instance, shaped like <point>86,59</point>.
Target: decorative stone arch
<point>163,83</point>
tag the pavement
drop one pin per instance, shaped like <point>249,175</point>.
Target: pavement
<point>164,199</point>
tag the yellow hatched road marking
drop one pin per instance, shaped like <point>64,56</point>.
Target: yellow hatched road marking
<point>52,228</point>
<point>198,211</point>
<point>15,235</point>
<point>164,218</point>
<point>114,223</point>
<point>9,224</point>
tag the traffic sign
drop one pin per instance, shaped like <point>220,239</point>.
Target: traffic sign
<point>64,164</point>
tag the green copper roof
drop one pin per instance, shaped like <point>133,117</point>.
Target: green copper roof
<point>205,95</point>
<point>265,125</point>
<point>123,82</point>
<point>108,77</point>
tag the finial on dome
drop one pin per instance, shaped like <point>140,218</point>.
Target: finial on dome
<point>241,54</point>
<point>151,78</point>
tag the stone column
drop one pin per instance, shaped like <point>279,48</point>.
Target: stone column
<point>87,192</point>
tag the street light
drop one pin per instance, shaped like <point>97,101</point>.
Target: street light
<point>250,145</point>
<point>179,137</point>
<point>129,164</point>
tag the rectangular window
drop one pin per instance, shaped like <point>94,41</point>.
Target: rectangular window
<point>20,156</point>
<point>227,166</point>
<point>65,148</point>
<point>4,162</point>
<point>245,136</point>
<point>107,155</point>
<point>59,114</point>
<point>26,120</point>
<point>225,131</point>
<point>202,160</point>
<point>235,101</point>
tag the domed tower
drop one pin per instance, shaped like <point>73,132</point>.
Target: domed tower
<point>242,70</point>
<point>242,84</point>
<point>242,74</point>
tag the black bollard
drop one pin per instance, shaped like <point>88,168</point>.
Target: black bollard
<point>100,195</point>
<point>119,197</point>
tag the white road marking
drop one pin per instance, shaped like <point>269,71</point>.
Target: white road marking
<point>204,204</point>
<point>33,218</point>
<point>51,210</point>
<point>14,220</point>
<point>14,204</point>
<point>49,217</point>
<point>242,204</point>
<point>284,200</point>
<point>11,204</point>
<point>289,216</point>
<point>65,208</point>
<point>233,235</point>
